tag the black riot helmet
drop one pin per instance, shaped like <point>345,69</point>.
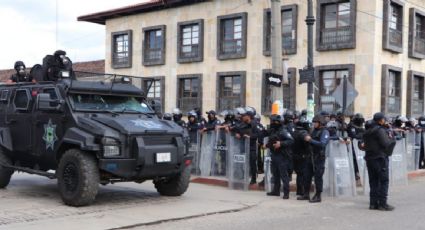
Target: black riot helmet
<point>20,67</point>
<point>304,123</point>
<point>239,112</point>
<point>304,113</point>
<point>332,127</point>
<point>399,121</point>
<point>275,121</point>
<point>228,115</point>
<point>250,111</point>
<point>358,119</point>
<point>319,119</point>
<point>297,114</point>
<point>193,114</point>
<point>421,121</point>
<point>177,114</point>
<point>288,116</point>
<point>257,117</point>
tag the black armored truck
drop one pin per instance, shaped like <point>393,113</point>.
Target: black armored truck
<point>89,132</point>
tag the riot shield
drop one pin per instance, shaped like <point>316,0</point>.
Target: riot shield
<point>268,183</point>
<point>397,165</point>
<point>410,151</point>
<point>194,150</point>
<point>341,170</point>
<point>361,163</point>
<point>327,175</point>
<point>218,161</point>
<point>207,153</point>
<point>238,155</point>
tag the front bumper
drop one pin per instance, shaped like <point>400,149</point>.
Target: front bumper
<point>143,165</point>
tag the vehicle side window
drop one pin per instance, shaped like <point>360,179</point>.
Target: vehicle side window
<point>52,92</point>
<point>22,100</point>
<point>4,95</point>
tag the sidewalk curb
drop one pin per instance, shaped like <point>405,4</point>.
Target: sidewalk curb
<point>222,182</point>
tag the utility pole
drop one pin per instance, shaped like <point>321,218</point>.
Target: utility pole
<point>310,64</point>
<point>276,51</point>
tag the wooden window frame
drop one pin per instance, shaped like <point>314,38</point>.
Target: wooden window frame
<point>220,36</point>
<point>128,63</point>
<point>160,61</point>
<point>199,97</point>
<point>220,75</point>
<point>413,39</point>
<point>200,54</point>
<point>410,93</point>
<point>384,88</point>
<point>386,44</point>
<point>161,79</point>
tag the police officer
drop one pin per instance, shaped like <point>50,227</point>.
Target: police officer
<point>212,122</point>
<point>355,130</point>
<point>229,120</point>
<point>177,117</point>
<point>260,152</point>
<point>248,129</point>
<point>288,124</point>
<point>420,129</point>
<point>21,75</point>
<point>301,150</point>
<point>58,66</point>
<point>315,164</point>
<point>379,147</point>
<point>280,143</point>
<point>193,126</point>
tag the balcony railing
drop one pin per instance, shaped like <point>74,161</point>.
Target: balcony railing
<point>418,106</point>
<point>336,35</point>
<point>153,54</point>
<point>190,52</point>
<point>120,58</point>
<point>231,46</point>
<point>395,37</point>
<point>188,103</point>
<point>420,45</point>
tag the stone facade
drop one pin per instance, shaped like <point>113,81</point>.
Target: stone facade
<point>365,54</point>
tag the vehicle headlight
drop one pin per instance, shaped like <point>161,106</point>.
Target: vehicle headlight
<point>111,147</point>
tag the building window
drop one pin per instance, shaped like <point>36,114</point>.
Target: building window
<point>189,92</point>
<point>190,43</point>
<point>231,90</point>
<point>393,26</point>
<point>336,24</point>
<point>329,82</point>
<point>417,34</point>
<point>121,49</point>
<point>155,89</point>
<point>154,45</point>
<point>232,36</point>
<point>415,93</point>
<point>391,90</point>
<point>289,92</point>
<point>289,30</point>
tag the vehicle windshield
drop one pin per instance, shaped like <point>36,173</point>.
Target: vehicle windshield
<point>109,103</point>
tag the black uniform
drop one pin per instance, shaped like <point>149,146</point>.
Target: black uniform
<point>355,132</point>
<point>281,158</point>
<point>260,157</point>
<point>301,150</point>
<point>315,163</point>
<point>253,132</point>
<point>378,147</point>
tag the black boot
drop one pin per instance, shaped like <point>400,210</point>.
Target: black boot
<point>253,181</point>
<point>374,205</point>
<point>285,196</point>
<point>274,193</point>
<point>385,207</point>
<point>304,197</point>
<point>317,198</point>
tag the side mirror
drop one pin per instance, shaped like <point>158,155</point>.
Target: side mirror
<point>156,106</point>
<point>44,102</point>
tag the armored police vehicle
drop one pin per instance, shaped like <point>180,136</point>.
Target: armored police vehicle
<point>86,133</point>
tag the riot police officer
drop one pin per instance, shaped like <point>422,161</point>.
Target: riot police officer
<point>21,75</point>
<point>280,143</point>
<point>420,129</point>
<point>57,66</point>
<point>301,150</point>
<point>260,152</point>
<point>212,122</point>
<point>315,164</point>
<point>193,126</point>
<point>177,117</point>
<point>248,129</point>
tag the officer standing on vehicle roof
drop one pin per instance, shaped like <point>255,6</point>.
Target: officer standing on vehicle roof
<point>379,146</point>
<point>248,129</point>
<point>315,164</point>
<point>21,75</point>
<point>280,144</point>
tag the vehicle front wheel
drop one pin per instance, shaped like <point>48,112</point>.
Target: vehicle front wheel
<point>5,173</point>
<point>175,185</point>
<point>78,178</point>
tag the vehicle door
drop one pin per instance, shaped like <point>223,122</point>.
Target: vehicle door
<point>48,127</point>
<point>19,119</point>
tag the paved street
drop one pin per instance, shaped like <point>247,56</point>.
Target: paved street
<point>33,203</point>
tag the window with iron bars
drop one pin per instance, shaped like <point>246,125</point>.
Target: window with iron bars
<point>232,36</point>
<point>336,23</point>
<point>190,41</point>
<point>419,45</point>
<point>418,95</point>
<point>394,92</point>
<point>396,25</point>
<point>121,49</point>
<point>230,92</point>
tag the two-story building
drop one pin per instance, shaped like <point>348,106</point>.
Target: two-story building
<point>214,54</point>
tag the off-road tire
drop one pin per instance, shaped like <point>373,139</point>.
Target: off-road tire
<point>5,173</point>
<point>175,185</point>
<point>78,178</point>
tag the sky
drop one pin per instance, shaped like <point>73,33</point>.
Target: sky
<point>28,29</point>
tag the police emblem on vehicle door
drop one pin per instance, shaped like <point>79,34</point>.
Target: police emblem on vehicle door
<point>50,135</point>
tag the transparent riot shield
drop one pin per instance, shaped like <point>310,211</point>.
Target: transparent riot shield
<point>268,183</point>
<point>207,153</point>
<point>238,155</point>
<point>361,163</point>
<point>194,150</point>
<point>218,161</point>
<point>397,165</point>
<point>410,151</point>
<point>341,170</point>
<point>327,175</point>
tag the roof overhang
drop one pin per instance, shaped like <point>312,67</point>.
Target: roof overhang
<point>153,5</point>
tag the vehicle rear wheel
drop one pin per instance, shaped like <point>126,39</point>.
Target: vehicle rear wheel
<point>78,178</point>
<point>5,173</point>
<point>175,185</point>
